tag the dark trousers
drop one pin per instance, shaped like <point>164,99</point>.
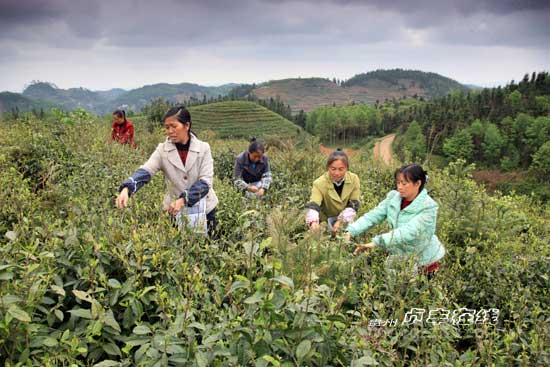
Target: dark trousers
<point>212,224</point>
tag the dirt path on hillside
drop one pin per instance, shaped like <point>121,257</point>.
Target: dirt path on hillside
<point>382,149</point>
<point>327,151</point>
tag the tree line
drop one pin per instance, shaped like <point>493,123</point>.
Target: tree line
<point>500,127</point>
<point>345,124</point>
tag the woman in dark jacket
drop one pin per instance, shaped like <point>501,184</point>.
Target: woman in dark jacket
<point>252,173</point>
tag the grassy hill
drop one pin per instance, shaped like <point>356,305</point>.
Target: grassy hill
<point>241,119</point>
<point>310,93</point>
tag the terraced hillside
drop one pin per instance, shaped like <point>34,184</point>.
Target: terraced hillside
<point>241,119</point>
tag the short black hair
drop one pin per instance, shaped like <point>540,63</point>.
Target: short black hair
<point>256,146</point>
<point>413,172</point>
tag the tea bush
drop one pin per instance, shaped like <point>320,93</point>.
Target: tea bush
<point>84,284</point>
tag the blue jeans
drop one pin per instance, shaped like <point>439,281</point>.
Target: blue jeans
<point>331,221</point>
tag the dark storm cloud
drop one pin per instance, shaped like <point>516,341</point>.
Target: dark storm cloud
<point>13,11</point>
<point>243,23</point>
<point>465,7</point>
<point>57,23</point>
<point>140,23</point>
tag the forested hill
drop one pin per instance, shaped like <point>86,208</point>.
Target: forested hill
<point>503,127</point>
<point>67,98</point>
<point>506,128</point>
<point>378,86</point>
<point>14,102</point>
<point>428,84</point>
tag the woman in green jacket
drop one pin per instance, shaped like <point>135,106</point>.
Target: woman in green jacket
<point>411,214</point>
<point>335,195</point>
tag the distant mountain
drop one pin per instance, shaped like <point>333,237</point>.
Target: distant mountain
<point>474,87</point>
<point>102,102</point>
<point>11,101</point>
<point>310,93</point>
<point>66,98</point>
<point>111,93</point>
<point>137,98</point>
<point>301,94</point>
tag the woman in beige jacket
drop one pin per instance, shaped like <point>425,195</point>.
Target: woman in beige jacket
<point>188,168</point>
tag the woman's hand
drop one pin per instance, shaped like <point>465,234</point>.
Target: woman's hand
<point>252,188</point>
<point>363,247</point>
<point>175,207</point>
<point>314,227</point>
<point>261,192</point>
<point>122,199</point>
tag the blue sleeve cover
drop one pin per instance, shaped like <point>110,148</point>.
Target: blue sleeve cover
<point>139,178</point>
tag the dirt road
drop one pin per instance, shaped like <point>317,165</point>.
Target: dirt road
<point>382,149</point>
<point>327,151</point>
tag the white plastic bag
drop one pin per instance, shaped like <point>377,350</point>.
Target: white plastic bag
<point>193,217</point>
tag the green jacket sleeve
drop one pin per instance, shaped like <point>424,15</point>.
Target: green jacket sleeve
<point>407,236</point>
<point>316,198</point>
<point>373,217</point>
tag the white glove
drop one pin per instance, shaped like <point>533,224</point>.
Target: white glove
<point>312,216</point>
<point>347,215</point>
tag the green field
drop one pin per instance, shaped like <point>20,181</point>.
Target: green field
<point>241,119</point>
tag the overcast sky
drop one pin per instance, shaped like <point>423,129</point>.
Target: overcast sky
<point>100,44</point>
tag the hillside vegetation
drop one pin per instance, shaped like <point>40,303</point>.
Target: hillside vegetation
<point>85,284</point>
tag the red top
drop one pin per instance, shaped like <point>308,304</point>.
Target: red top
<point>123,133</point>
<point>430,268</point>
<point>405,203</point>
<point>183,155</point>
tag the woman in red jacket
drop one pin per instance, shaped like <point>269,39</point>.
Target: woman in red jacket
<point>123,130</point>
